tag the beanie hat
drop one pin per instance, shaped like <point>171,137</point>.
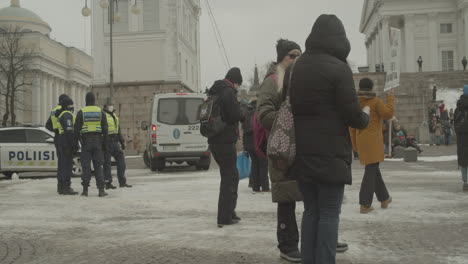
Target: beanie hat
<point>465,90</point>
<point>90,99</point>
<point>366,84</point>
<point>66,101</point>
<point>283,47</point>
<point>61,97</point>
<point>234,75</point>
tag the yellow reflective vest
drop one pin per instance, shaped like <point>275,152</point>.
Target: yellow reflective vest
<point>54,119</point>
<point>92,117</point>
<point>60,128</point>
<point>113,124</point>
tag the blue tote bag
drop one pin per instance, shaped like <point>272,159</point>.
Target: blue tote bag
<point>244,165</point>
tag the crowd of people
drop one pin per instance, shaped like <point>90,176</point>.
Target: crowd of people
<point>441,124</point>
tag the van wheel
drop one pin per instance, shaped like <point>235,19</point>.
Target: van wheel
<point>146,159</point>
<point>8,174</point>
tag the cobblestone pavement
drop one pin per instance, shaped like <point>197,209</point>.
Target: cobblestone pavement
<point>171,218</point>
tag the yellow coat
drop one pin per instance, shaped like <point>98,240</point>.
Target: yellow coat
<point>369,142</point>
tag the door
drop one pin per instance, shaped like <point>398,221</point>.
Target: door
<point>40,151</point>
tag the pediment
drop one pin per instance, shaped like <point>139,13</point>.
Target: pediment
<point>367,10</point>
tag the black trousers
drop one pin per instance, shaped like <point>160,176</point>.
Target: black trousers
<point>372,183</point>
<point>226,157</point>
<point>91,151</point>
<point>287,231</point>
<point>259,174</point>
<point>65,162</point>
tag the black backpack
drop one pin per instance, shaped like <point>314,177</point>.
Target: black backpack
<point>210,116</point>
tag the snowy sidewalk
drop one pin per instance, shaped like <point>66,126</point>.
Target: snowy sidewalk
<point>171,218</point>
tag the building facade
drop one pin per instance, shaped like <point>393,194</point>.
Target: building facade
<point>436,30</point>
<point>55,68</point>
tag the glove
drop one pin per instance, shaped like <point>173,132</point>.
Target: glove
<point>366,110</point>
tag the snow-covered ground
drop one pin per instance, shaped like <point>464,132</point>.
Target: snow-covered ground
<point>171,218</point>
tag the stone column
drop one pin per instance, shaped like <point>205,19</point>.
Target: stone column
<point>36,100</point>
<point>386,42</point>
<point>368,52</point>
<point>411,57</point>
<point>373,52</point>
<point>433,43</point>
<point>465,18</point>
<point>42,95</point>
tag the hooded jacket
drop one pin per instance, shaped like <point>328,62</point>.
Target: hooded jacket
<point>230,111</point>
<point>461,128</point>
<point>325,104</point>
<point>91,101</point>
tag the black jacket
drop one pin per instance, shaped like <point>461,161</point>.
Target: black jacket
<point>248,110</point>
<point>230,112</point>
<point>461,128</point>
<point>325,104</point>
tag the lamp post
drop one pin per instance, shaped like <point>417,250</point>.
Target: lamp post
<point>112,7</point>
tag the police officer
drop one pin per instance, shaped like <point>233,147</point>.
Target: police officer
<point>52,126</point>
<point>114,149</point>
<point>91,126</point>
<point>66,144</point>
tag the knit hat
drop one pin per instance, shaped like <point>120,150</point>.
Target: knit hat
<point>61,97</point>
<point>90,99</point>
<point>283,47</point>
<point>234,75</point>
<point>465,90</point>
<point>366,84</point>
<point>66,101</point>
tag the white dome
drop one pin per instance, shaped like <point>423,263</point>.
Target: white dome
<point>15,15</point>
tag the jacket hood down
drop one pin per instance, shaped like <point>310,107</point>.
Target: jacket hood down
<point>328,35</point>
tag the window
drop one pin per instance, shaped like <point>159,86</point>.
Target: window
<point>179,111</point>
<point>447,60</point>
<point>446,28</point>
<point>13,136</point>
<point>36,136</point>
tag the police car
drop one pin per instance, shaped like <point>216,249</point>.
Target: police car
<point>174,132</point>
<point>29,149</point>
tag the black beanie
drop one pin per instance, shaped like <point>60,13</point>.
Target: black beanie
<point>61,97</point>
<point>234,75</point>
<point>66,101</point>
<point>90,99</point>
<point>283,47</point>
<point>366,84</point>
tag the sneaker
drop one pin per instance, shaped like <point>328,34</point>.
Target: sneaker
<point>232,222</point>
<point>385,204</point>
<point>366,209</point>
<point>465,186</point>
<point>125,185</point>
<point>294,256</point>
<point>341,247</point>
<point>110,186</point>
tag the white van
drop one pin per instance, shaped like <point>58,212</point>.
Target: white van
<point>174,132</point>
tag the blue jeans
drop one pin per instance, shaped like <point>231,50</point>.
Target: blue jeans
<point>464,172</point>
<point>322,203</point>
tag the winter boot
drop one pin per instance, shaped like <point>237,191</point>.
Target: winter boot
<point>385,204</point>
<point>102,193</point>
<point>366,209</point>
<point>235,217</point>
<point>110,186</point>
<point>69,191</point>
<point>341,247</point>
<point>125,186</point>
<point>59,188</point>
<point>85,191</point>
<point>294,256</point>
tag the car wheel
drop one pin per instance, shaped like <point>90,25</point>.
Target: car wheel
<point>77,168</point>
<point>8,174</point>
<point>146,159</point>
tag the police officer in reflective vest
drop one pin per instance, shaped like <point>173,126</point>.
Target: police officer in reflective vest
<point>66,143</point>
<point>91,126</point>
<point>52,126</point>
<point>114,149</point>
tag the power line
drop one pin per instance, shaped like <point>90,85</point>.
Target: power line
<point>218,36</point>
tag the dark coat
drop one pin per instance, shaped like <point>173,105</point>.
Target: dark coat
<point>248,111</point>
<point>230,112</point>
<point>461,128</point>
<point>324,105</point>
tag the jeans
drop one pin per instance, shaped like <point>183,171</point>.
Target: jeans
<point>447,140</point>
<point>287,231</point>
<point>438,140</point>
<point>322,203</point>
<point>464,172</point>
<point>114,150</point>
<point>433,138</point>
<point>386,148</point>
<point>92,151</point>
<point>259,174</point>
<point>372,183</point>
<point>226,157</point>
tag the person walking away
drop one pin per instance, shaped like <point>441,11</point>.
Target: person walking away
<point>464,62</point>
<point>259,174</point>
<point>67,144</point>
<point>91,129</point>
<point>285,191</point>
<point>324,105</point>
<point>447,132</point>
<point>438,133</point>
<point>52,126</point>
<point>115,149</point>
<point>461,128</point>
<point>223,145</point>
<point>368,143</point>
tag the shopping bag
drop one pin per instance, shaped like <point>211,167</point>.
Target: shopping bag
<point>244,165</point>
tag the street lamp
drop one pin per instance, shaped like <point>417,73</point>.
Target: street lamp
<point>112,7</point>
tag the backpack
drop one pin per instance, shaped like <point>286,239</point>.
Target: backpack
<point>260,137</point>
<point>209,114</point>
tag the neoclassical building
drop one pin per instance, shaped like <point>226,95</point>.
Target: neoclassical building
<point>55,68</point>
<point>436,30</point>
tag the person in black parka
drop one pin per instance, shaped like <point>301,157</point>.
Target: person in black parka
<point>461,128</point>
<point>325,105</point>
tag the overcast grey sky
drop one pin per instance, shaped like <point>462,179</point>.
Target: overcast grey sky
<point>249,28</point>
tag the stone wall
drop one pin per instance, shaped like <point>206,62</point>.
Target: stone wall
<point>414,96</point>
<point>132,103</point>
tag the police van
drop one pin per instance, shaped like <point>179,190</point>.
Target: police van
<point>174,132</point>
<point>29,149</point>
